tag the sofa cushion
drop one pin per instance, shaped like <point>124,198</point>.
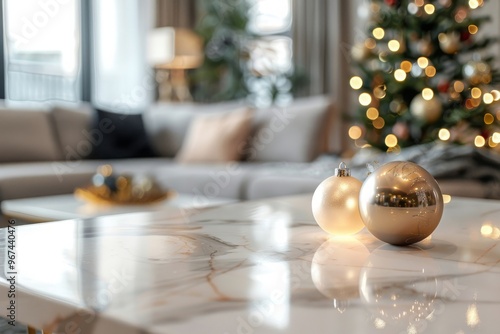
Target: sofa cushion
<point>27,135</point>
<point>295,133</point>
<point>216,137</point>
<point>72,124</point>
<point>119,136</point>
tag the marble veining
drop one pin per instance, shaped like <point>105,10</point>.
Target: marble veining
<point>256,267</point>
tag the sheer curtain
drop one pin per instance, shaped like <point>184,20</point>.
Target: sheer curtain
<point>323,32</point>
<point>122,80</point>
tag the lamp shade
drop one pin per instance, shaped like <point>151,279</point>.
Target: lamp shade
<point>161,46</point>
<point>174,48</point>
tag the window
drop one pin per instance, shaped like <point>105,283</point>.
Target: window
<point>42,50</point>
<point>121,81</point>
<point>271,17</point>
<point>271,53</point>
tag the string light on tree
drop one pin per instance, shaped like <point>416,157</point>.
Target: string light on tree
<point>406,66</point>
<point>496,137</point>
<point>365,99</point>
<point>372,113</point>
<point>426,76</point>
<point>487,98</point>
<point>473,29</point>
<point>356,82</point>
<point>391,140</point>
<point>400,75</point>
<point>444,134</point>
<point>423,62</point>
<point>378,33</point>
<point>479,141</point>
<point>355,132</point>
<point>488,118</point>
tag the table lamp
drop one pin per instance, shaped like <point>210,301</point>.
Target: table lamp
<point>172,51</point>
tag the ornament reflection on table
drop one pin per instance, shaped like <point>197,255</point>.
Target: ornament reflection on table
<point>109,188</point>
<point>400,203</point>
<point>335,203</point>
<point>335,270</point>
<point>401,289</point>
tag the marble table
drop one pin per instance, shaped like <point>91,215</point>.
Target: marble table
<point>63,207</point>
<point>254,267</point>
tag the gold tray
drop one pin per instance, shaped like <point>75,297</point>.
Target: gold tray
<point>95,195</point>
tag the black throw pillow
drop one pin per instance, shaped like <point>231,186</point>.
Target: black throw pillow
<point>119,136</point>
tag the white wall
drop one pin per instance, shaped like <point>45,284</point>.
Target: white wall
<point>492,28</point>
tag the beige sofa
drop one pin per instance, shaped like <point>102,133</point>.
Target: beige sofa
<point>41,150</point>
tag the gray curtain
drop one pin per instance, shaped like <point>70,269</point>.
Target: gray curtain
<point>323,32</point>
<point>176,13</point>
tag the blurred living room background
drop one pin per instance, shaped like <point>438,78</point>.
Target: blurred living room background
<point>98,51</point>
<point>111,53</point>
<point>178,89</point>
<point>174,105</point>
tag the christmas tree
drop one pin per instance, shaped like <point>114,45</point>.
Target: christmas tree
<point>422,75</point>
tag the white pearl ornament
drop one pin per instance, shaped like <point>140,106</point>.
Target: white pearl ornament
<point>335,203</point>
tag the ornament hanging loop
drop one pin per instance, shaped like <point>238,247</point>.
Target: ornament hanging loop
<point>342,171</point>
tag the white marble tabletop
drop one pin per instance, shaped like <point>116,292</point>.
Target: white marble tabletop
<point>63,207</point>
<point>255,267</point>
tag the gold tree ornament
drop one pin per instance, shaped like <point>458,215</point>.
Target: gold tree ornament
<point>427,109</point>
<point>449,42</point>
<point>400,203</point>
<point>477,72</point>
<point>425,47</point>
<point>335,203</point>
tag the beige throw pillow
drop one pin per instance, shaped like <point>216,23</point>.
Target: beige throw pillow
<point>216,137</point>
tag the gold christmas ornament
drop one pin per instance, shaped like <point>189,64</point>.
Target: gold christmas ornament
<point>400,203</point>
<point>450,42</point>
<point>420,45</point>
<point>477,72</point>
<point>425,46</point>
<point>335,203</point>
<point>426,110</point>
